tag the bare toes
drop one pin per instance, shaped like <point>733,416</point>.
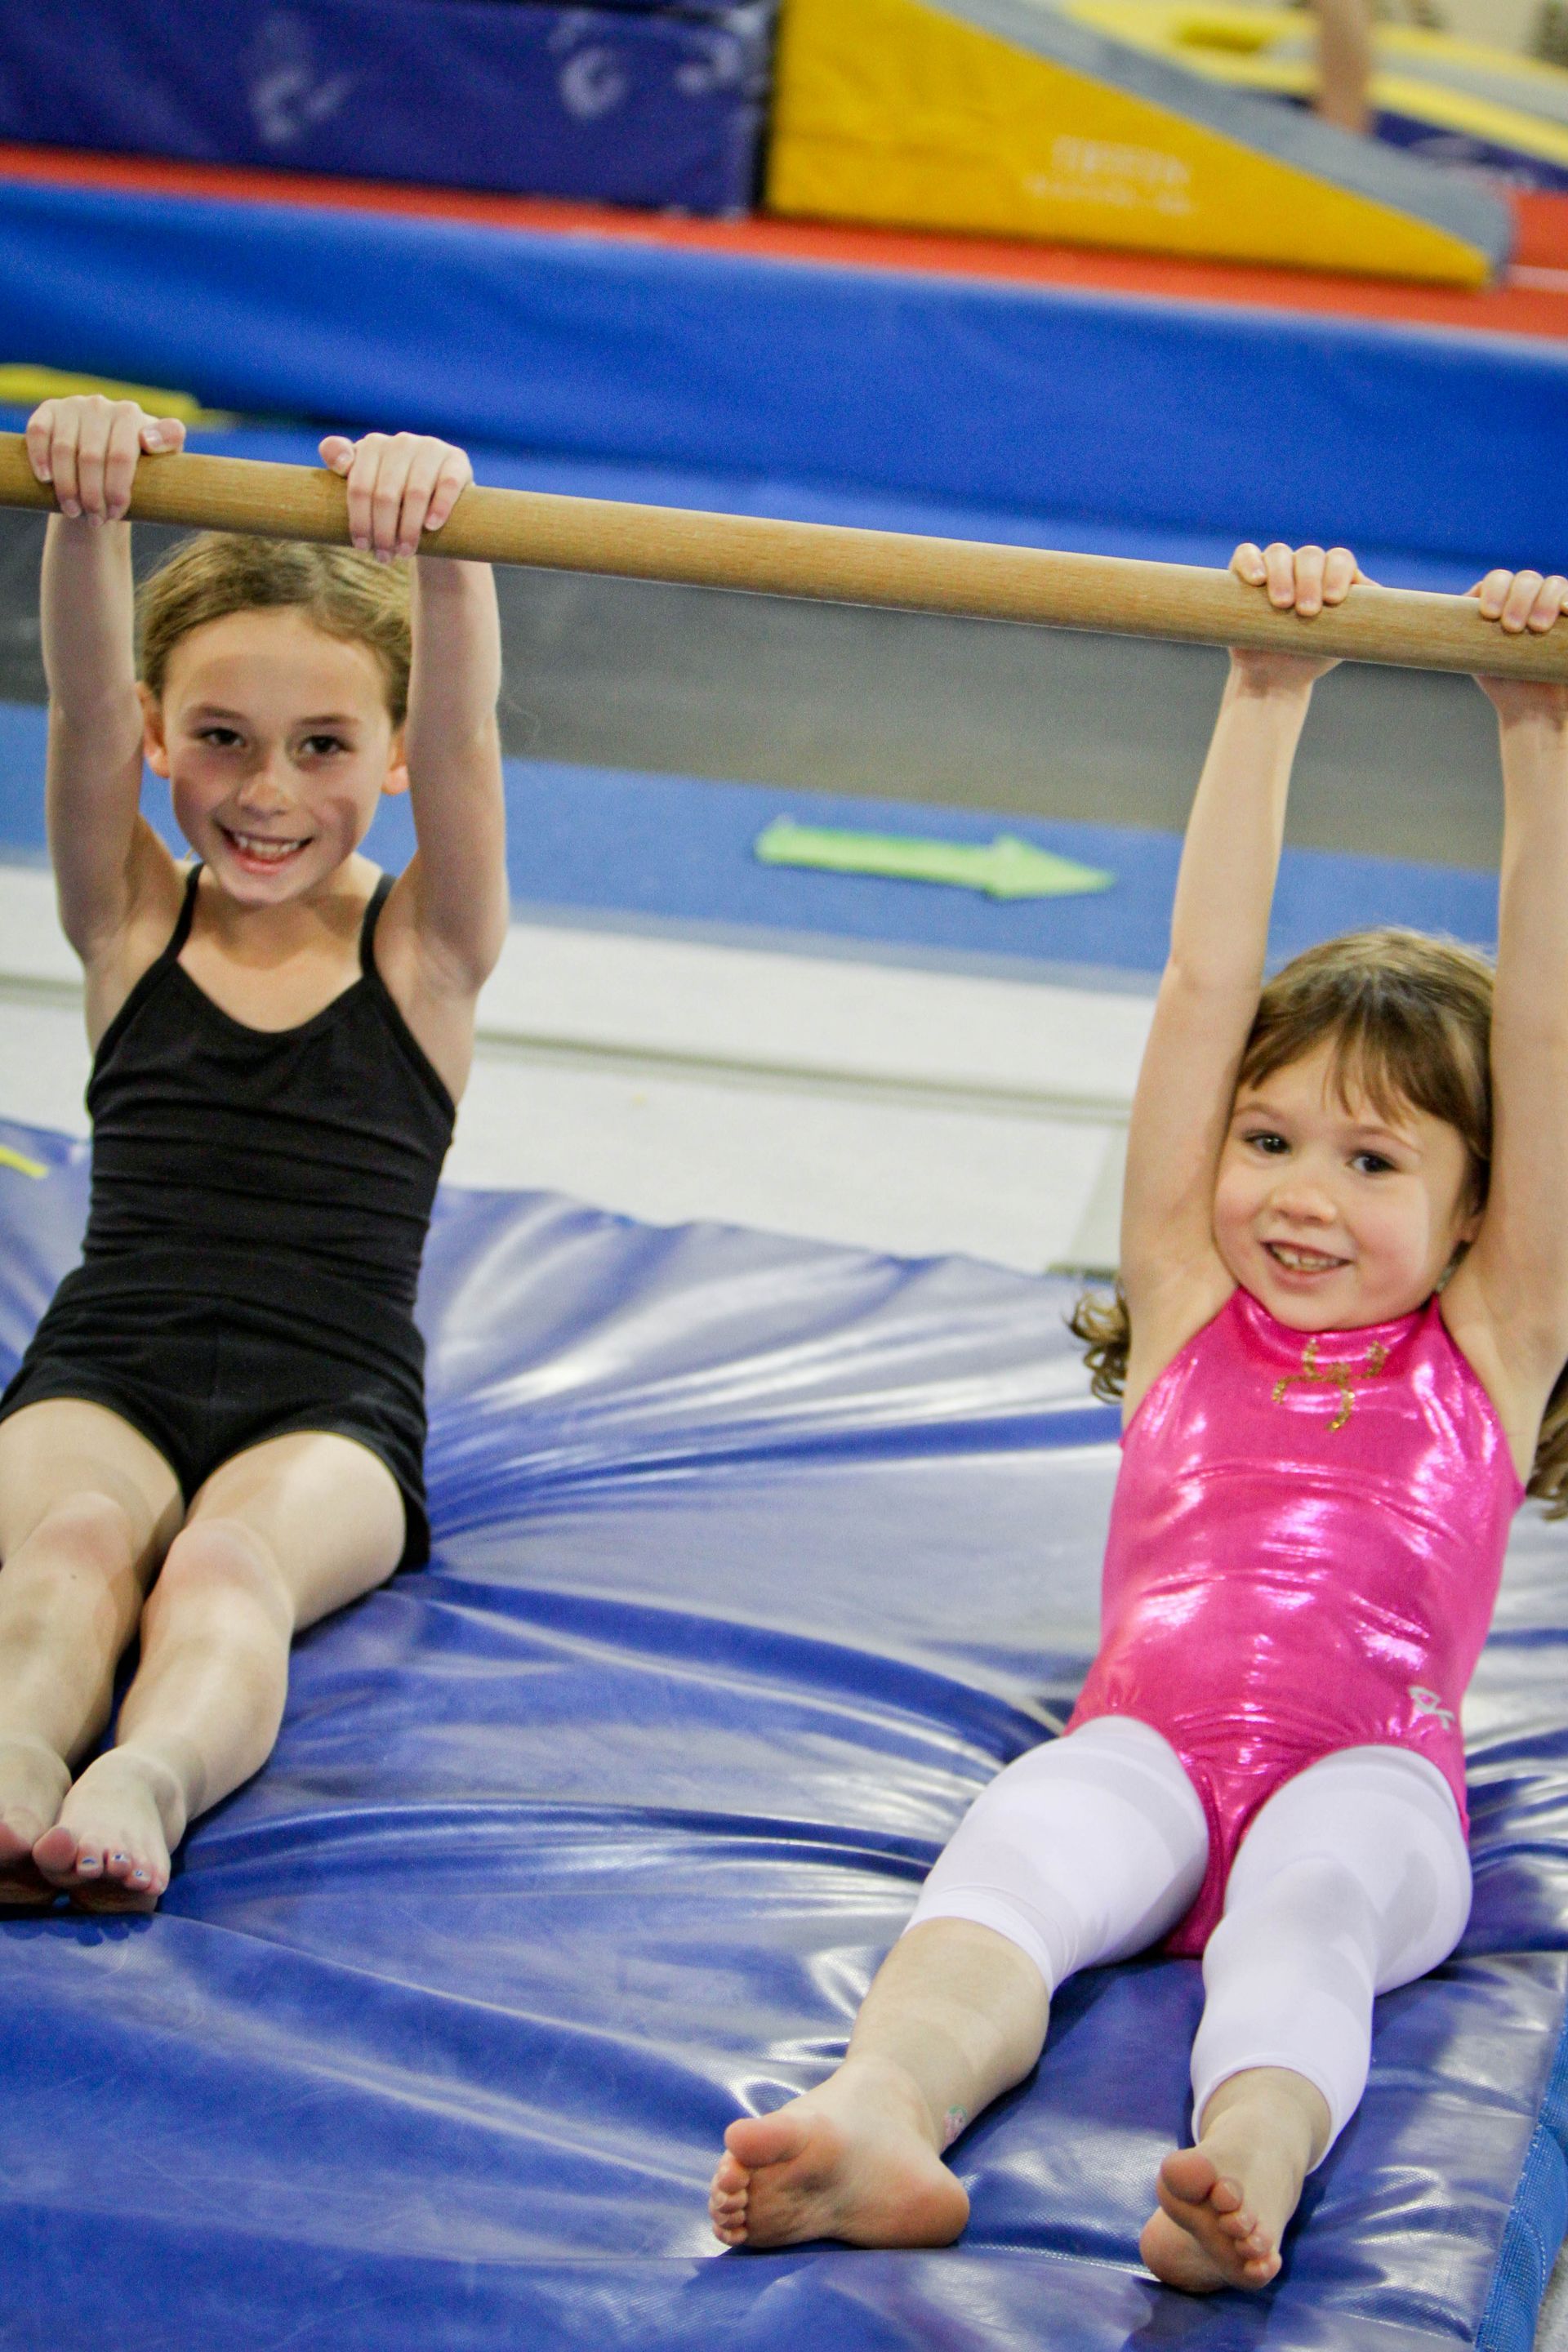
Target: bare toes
<point>58,1854</point>
<point>108,1849</point>
<point>120,1881</point>
<point>1206,2235</point>
<point>1190,2175</point>
<point>728,2216</point>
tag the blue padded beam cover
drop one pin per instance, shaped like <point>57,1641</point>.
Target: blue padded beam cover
<point>754,1560</point>
<point>641,105</point>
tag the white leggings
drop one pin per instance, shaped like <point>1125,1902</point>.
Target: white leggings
<point>1353,1878</point>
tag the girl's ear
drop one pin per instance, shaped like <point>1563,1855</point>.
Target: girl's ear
<point>154,748</point>
<point>397,768</point>
<point>1470,1225</point>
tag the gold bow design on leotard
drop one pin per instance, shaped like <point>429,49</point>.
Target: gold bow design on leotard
<point>1341,1376</point>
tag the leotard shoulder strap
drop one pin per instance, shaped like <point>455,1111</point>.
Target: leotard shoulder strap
<point>378,899</point>
<point>161,965</point>
<point>188,915</point>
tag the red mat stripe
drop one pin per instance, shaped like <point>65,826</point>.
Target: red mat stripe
<point>1534,301</point>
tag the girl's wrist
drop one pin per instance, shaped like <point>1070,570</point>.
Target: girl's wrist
<point>1544,715</point>
<point>457,575</point>
<point>1273,711</point>
<point>88,553</point>
<point>1270,677</point>
<point>86,530</point>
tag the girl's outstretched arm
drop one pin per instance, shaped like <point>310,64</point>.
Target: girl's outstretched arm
<point>1507,1305</point>
<point>452,744</point>
<point>1172,1272</point>
<point>449,913</point>
<point>106,860</point>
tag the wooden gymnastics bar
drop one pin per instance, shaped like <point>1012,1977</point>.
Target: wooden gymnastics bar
<point>835,565</point>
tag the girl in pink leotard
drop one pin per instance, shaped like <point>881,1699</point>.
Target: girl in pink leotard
<point>1340,1341</point>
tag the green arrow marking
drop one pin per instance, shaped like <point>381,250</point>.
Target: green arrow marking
<point>1004,868</point>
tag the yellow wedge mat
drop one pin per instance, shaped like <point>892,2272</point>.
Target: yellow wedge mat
<point>921,112</point>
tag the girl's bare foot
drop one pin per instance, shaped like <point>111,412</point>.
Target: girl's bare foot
<point>1224,2204</point>
<point>33,1783</point>
<point>109,1851</point>
<point>1206,2235</point>
<point>852,2160</point>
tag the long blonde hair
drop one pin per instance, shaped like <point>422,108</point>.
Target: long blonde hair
<point>1410,1021</point>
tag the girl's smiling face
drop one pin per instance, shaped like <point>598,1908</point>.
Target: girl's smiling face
<point>277,745</point>
<point>1334,1212</point>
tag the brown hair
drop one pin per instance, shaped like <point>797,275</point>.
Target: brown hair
<point>343,593</point>
<point>1410,1021</point>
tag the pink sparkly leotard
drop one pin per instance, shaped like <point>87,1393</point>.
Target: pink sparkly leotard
<point>1304,1553</point>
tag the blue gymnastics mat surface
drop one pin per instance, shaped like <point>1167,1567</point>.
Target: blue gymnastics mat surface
<point>1148,415</point>
<point>638,104</point>
<point>754,1559</point>
<point>631,848</point>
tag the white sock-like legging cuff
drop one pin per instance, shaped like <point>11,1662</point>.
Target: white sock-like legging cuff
<point>1353,1879</point>
<point>1084,1850</point>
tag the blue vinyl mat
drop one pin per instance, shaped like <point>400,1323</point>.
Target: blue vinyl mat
<point>754,1558</point>
<point>1155,419</point>
<point>677,853</point>
<point>633,103</point>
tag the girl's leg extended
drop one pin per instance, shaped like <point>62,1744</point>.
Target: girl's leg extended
<point>86,1510</point>
<point>1354,1878</point>
<point>276,1539</point>
<point>1083,1850</point>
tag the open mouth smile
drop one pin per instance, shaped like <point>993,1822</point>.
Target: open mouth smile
<point>1292,1258</point>
<point>259,849</point>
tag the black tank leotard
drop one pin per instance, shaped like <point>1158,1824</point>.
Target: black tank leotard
<point>259,1204</point>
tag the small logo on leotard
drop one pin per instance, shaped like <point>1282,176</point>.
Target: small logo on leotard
<point>1343,1377</point>
<point>1427,1702</point>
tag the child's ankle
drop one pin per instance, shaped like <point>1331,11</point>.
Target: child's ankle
<point>1272,2105</point>
<point>164,1782</point>
<point>898,2089</point>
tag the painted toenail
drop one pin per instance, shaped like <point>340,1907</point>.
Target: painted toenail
<point>120,1857</point>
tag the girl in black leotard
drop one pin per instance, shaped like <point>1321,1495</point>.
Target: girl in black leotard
<point>227,1396</point>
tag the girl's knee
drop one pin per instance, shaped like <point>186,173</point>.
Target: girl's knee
<point>215,1563</point>
<point>1304,1940</point>
<point>1309,1895</point>
<point>91,1534</point>
<point>70,1595</point>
